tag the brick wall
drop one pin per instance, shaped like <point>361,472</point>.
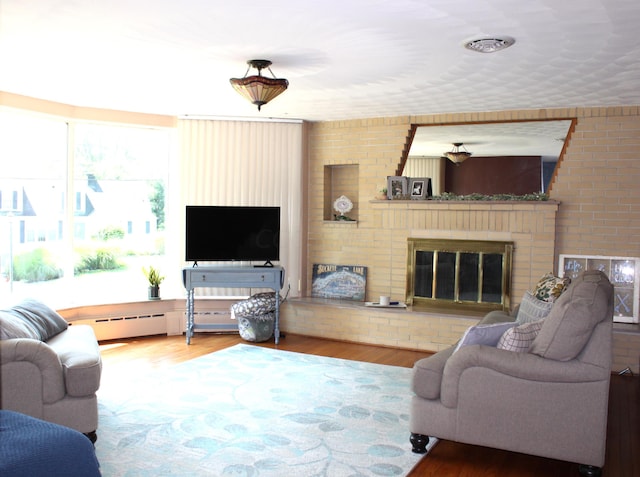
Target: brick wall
<point>596,185</point>
<point>386,327</point>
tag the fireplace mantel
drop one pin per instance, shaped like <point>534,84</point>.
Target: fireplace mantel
<point>467,204</point>
<point>530,225</point>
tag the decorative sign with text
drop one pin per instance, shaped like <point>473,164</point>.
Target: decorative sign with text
<point>344,282</point>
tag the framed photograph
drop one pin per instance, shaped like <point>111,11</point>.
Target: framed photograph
<point>623,273</point>
<point>420,188</point>
<point>397,187</point>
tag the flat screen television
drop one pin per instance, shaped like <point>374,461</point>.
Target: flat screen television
<point>232,233</point>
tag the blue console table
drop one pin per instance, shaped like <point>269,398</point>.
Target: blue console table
<point>230,277</point>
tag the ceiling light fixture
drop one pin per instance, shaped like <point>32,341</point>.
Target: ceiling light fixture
<point>456,155</point>
<point>489,45</point>
<point>259,89</point>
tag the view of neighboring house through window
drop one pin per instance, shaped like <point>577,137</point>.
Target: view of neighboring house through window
<point>81,209</point>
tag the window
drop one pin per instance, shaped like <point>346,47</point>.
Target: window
<point>81,224</point>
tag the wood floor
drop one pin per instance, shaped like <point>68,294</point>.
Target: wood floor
<point>447,459</point>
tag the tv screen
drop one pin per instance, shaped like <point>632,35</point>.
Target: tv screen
<point>230,233</point>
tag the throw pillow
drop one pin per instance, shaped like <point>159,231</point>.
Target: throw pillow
<point>11,326</point>
<point>256,305</point>
<point>531,309</point>
<point>31,319</point>
<point>519,338</point>
<point>567,329</point>
<point>550,287</point>
<point>488,335</point>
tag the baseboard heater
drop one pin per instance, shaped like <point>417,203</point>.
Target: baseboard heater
<point>116,327</point>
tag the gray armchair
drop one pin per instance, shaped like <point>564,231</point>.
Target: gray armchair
<point>549,401</point>
<point>49,370</point>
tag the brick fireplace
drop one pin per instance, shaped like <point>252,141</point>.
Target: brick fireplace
<point>378,240</point>
<point>529,226</point>
<point>595,217</point>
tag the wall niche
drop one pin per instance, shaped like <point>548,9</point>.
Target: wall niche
<point>339,180</point>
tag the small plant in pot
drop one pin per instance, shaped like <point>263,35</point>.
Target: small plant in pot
<point>154,278</point>
<point>382,194</point>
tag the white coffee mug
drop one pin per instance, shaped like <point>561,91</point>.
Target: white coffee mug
<point>384,300</point>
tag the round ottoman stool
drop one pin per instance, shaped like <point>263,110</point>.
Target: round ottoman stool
<point>256,317</point>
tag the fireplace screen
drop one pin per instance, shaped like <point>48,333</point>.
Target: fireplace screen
<point>459,274</point>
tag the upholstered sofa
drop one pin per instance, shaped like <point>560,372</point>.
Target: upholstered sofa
<point>49,369</point>
<point>546,393</point>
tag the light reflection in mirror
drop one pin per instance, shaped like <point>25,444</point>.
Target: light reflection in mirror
<point>521,138</point>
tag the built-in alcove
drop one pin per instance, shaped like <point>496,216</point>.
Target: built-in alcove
<point>340,180</point>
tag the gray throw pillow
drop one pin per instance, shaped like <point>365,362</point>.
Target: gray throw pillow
<point>531,309</point>
<point>31,319</point>
<point>11,326</point>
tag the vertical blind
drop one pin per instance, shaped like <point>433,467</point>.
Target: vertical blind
<point>245,163</point>
<point>422,166</point>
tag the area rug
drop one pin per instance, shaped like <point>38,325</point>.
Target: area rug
<point>257,412</point>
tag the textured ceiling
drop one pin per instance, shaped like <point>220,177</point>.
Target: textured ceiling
<point>344,59</point>
<point>530,138</point>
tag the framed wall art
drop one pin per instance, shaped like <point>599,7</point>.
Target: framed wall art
<point>623,273</point>
<point>344,282</point>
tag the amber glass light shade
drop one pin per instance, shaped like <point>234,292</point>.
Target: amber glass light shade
<point>456,155</point>
<point>257,88</point>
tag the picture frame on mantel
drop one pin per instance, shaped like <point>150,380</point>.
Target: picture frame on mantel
<point>420,188</point>
<point>397,187</point>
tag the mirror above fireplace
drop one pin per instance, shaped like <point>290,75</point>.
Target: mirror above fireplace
<point>498,152</point>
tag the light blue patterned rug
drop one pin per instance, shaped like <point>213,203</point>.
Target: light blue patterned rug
<point>257,412</point>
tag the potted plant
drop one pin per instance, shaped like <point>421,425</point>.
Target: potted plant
<point>382,194</point>
<point>154,278</point>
